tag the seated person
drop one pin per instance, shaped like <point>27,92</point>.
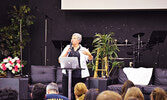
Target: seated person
<point>158,94</point>
<point>8,94</point>
<point>38,92</point>
<point>134,92</point>
<point>80,90</point>
<point>127,84</point>
<point>52,92</point>
<point>109,95</point>
<point>91,94</point>
<point>133,98</point>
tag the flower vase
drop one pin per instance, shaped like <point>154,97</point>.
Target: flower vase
<point>9,74</point>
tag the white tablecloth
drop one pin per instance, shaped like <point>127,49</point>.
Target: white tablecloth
<point>139,76</point>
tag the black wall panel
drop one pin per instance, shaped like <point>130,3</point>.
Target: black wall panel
<point>62,24</point>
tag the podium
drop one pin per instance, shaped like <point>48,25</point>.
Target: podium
<point>69,70</point>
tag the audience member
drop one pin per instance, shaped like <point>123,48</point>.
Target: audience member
<point>158,94</point>
<point>52,92</point>
<point>134,92</point>
<point>38,91</point>
<point>109,95</point>
<point>80,90</point>
<point>133,98</point>
<point>91,94</point>
<point>8,94</point>
<point>127,84</point>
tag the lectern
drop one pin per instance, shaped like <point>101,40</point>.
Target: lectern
<point>69,70</point>
<point>69,64</point>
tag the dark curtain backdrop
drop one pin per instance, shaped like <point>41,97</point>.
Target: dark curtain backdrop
<point>62,24</point>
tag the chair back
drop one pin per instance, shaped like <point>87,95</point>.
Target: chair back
<point>42,74</point>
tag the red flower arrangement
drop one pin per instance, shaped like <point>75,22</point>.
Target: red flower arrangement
<point>12,64</point>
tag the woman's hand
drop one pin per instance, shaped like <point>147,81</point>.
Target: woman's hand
<point>86,52</point>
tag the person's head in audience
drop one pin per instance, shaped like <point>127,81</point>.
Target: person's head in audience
<point>52,88</point>
<point>91,94</point>
<point>80,90</point>
<point>8,94</point>
<point>52,92</point>
<point>127,84</point>
<point>158,94</point>
<point>133,98</point>
<point>38,91</point>
<point>109,95</point>
<point>134,92</point>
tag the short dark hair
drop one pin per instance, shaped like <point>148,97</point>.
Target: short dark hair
<point>38,91</point>
<point>91,94</point>
<point>127,84</point>
<point>8,94</point>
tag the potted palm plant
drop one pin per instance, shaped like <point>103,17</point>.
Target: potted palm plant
<point>105,49</point>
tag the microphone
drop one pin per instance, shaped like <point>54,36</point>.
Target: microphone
<point>70,48</point>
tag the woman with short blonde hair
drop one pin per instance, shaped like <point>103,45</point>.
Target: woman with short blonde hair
<point>134,92</point>
<point>80,90</point>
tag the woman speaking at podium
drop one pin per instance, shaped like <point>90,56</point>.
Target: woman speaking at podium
<point>76,50</point>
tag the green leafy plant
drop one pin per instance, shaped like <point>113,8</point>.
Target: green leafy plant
<point>10,40</point>
<point>105,49</point>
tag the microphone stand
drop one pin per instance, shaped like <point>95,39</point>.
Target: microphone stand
<point>46,34</point>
